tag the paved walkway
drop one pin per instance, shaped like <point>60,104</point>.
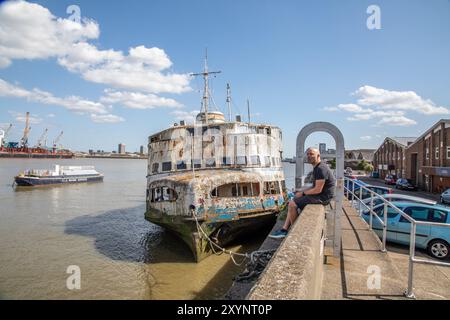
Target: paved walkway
<point>353,276</point>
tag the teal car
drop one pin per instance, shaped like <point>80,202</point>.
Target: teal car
<point>435,239</point>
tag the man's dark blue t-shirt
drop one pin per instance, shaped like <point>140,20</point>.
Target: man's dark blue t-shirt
<point>322,172</point>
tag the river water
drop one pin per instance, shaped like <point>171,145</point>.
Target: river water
<point>100,229</point>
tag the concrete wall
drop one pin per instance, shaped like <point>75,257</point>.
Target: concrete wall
<point>296,270</point>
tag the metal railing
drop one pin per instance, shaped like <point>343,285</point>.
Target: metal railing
<point>409,293</point>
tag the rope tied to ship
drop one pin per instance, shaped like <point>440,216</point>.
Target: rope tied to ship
<point>258,258</point>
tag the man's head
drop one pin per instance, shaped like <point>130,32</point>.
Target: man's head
<point>313,156</point>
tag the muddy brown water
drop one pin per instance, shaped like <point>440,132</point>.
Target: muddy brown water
<point>100,228</point>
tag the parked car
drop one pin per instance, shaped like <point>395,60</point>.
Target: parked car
<point>366,194</point>
<point>375,174</point>
<point>390,179</point>
<point>405,184</point>
<point>435,239</point>
<point>348,171</point>
<point>445,196</point>
<point>391,197</point>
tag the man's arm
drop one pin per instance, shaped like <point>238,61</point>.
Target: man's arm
<point>317,188</point>
<point>314,190</point>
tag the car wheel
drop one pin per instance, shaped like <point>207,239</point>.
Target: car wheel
<point>439,249</point>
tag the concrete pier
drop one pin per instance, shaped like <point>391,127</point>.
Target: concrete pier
<point>300,269</point>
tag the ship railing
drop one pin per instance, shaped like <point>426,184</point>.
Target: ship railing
<point>356,196</point>
<point>67,168</point>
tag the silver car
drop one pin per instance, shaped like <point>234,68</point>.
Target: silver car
<point>445,196</point>
<point>394,197</point>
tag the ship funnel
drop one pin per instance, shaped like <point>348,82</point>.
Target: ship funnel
<point>213,117</point>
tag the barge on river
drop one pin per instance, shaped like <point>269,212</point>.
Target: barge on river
<point>214,180</point>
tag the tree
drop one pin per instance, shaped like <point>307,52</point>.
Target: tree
<point>333,164</point>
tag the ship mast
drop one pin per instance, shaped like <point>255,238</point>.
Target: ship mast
<point>229,101</point>
<point>205,74</point>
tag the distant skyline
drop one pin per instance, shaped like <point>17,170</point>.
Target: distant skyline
<point>119,71</point>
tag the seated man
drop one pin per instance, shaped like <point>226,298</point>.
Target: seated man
<point>321,192</point>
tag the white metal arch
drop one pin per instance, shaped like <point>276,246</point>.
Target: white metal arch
<point>300,170</point>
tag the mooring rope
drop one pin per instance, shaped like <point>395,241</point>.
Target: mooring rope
<point>253,256</point>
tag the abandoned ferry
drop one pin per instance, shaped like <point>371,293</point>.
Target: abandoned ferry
<point>214,180</point>
<point>60,175</point>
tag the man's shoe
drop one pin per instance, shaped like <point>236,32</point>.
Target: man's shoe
<point>280,234</point>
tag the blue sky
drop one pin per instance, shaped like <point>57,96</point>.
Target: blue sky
<point>297,62</point>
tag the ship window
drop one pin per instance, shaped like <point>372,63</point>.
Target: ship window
<point>226,161</point>
<point>241,160</point>
<point>181,165</point>
<point>167,166</point>
<point>234,190</point>
<point>247,189</point>
<point>155,168</point>
<point>267,161</point>
<point>273,161</point>
<point>210,163</point>
<point>271,187</point>
<point>161,194</point>
<point>196,163</point>
<point>255,160</point>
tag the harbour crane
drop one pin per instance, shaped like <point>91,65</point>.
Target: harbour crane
<point>42,140</point>
<point>4,135</point>
<point>26,132</point>
<point>55,142</point>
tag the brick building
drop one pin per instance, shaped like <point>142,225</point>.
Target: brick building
<point>390,157</point>
<point>428,158</point>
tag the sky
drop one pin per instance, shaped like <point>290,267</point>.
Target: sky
<point>110,72</point>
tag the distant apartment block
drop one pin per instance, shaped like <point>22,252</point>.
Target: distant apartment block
<point>121,148</point>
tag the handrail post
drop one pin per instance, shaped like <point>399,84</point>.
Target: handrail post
<point>412,247</point>
<point>371,212</point>
<point>360,200</point>
<point>383,249</point>
<point>353,191</point>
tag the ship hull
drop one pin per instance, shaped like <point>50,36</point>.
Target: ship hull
<point>35,155</point>
<point>221,233</point>
<point>37,181</point>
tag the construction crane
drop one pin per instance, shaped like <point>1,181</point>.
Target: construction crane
<point>55,142</point>
<point>5,135</point>
<point>42,140</point>
<point>26,132</point>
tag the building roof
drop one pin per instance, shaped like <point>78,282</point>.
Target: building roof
<point>404,140</point>
<point>447,121</point>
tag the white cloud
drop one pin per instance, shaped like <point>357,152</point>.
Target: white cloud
<point>375,114</point>
<point>108,118</point>
<point>21,117</point>
<point>400,100</point>
<point>366,138</point>
<point>349,107</point>
<point>187,116</point>
<point>137,100</point>
<point>31,31</point>
<point>51,115</point>
<point>397,121</point>
<point>390,106</point>
<point>78,105</point>
<point>72,103</point>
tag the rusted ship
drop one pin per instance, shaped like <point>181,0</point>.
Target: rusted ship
<point>214,180</point>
